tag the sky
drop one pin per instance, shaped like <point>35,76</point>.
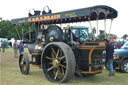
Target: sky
<point>11,9</point>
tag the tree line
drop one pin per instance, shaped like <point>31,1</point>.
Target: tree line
<point>8,30</point>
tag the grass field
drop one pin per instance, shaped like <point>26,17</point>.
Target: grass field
<point>10,75</point>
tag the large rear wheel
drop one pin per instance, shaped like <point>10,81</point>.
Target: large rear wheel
<point>58,62</point>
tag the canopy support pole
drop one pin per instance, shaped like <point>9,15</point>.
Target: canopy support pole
<point>110,27</point>
<point>29,32</point>
<point>17,32</point>
<point>105,27</point>
<point>97,26</point>
<point>97,22</point>
<point>90,23</point>
<point>22,32</point>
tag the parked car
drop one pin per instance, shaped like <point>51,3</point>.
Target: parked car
<point>121,58</point>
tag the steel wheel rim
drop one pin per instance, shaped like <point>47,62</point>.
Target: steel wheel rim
<point>126,67</point>
<point>22,64</point>
<point>55,63</point>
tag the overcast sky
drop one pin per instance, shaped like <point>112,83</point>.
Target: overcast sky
<point>10,9</point>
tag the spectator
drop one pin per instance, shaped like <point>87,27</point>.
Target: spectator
<point>21,48</point>
<point>118,45</point>
<point>121,43</point>
<point>109,57</point>
<point>3,46</point>
<point>0,45</point>
<point>6,44</point>
<point>15,48</point>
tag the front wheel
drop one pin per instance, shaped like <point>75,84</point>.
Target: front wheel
<point>58,62</point>
<point>24,63</point>
<point>124,66</point>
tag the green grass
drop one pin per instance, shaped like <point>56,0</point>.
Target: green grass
<point>10,75</point>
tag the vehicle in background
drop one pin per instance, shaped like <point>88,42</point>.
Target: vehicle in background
<point>121,58</point>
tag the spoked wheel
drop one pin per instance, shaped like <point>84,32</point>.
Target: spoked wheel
<point>24,63</point>
<point>58,62</point>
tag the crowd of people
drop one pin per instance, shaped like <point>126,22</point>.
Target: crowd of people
<point>118,44</point>
<point>16,47</point>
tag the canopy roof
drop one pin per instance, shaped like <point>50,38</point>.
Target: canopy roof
<point>79,15</point>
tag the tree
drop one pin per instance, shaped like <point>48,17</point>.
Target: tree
<point>8,30</point>
<point>0,18</point>
<point>4,27</point>
<point>125,36</point>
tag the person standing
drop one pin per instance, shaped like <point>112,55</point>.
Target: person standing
<point>21,48</point>
<point>3,46</point>
<point>15,48</point>
<point>109,57</point>
<point>118,45</point>
<point>0,45</point>
<point>6,44</point>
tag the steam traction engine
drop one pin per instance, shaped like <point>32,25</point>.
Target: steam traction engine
<point>62,52</point>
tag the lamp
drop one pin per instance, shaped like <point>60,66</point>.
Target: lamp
<point>46,12</point>
<point>33,12</point>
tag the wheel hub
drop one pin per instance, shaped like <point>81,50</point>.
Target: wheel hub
<point>56,63</point>
<point>22,63</point>
<point>126,67</point>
